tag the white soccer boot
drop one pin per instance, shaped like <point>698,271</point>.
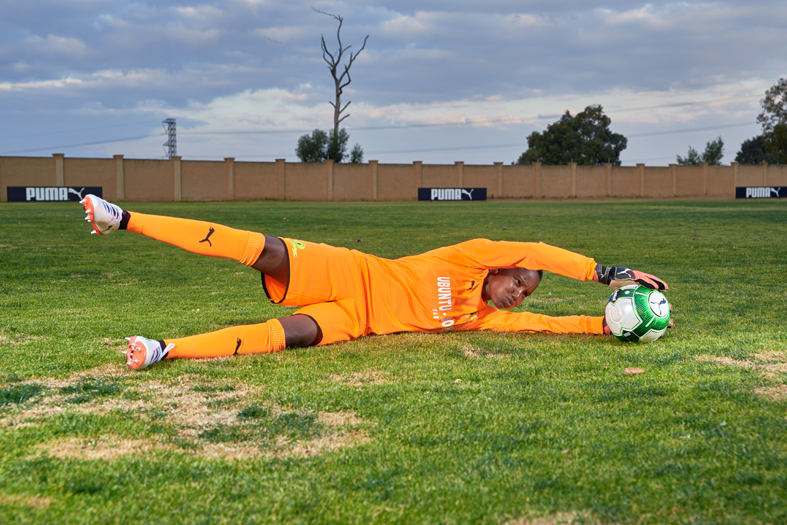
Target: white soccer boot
<point>104,217</point>
<point>143,352</point>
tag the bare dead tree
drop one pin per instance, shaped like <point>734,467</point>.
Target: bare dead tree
<point>342,80</point>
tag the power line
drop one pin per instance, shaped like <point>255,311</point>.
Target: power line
<point>692,130</point>
<point>523,145</point>
<point>362,128</point>
<point>682,104</point>
<point>96,143</point>
<point>76,130</point>
<point>503,120</point>
<point>462,148</point>
<point>491,146</point>
<point>512,120</point>
<point>409,126</point>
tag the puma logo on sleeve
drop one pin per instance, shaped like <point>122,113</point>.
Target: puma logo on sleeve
<point>207,239</point>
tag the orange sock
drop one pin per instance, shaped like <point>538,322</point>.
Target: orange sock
<point>246,339</point>
<point>200,237</point>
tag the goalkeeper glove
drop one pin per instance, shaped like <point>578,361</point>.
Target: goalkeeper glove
<point>617,277</point>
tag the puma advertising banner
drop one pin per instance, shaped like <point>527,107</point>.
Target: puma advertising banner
<point>761,192</point>
<point>451,194</point>
<point>51,193</point>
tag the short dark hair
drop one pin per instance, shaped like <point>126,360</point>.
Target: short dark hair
<point>540,274</point>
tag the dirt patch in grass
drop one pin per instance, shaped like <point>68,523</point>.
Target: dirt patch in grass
<point>776,393</point>
<point>284,448</point>
<point>319,445</point>
<point>106,447</point>
<point>194,410</point>
<point>365,378</point>
<point>339,419</point>
<point>16,339</point>
<point>473,352</point>
<point>113,371</point>
<point>110,447</point>
<point>19,500</point>
<point>561,518</point>
<point>201,413</point>
<point>770,363</point>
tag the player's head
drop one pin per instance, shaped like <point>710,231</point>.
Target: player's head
<point>508,286</point>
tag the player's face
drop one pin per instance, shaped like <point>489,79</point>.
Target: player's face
<point>508,287</point>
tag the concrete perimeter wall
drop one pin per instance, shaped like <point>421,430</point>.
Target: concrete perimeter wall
<point>186,180</point>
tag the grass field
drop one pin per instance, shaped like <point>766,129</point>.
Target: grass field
<point>410,428</point>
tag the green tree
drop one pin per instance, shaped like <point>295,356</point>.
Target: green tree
<point>714,152</point>
<point>585,139</point>
<point>776,144</point>
<point>774,106</point>
<point>337,145</point>
<point>752,151</point>
<point>691,159</point>
<point>356,154</point>
<point>774,123</point>
<point>312,148</point>
<point>320,146</point>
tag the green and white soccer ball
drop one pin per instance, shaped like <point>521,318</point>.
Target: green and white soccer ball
<point>635,313</point>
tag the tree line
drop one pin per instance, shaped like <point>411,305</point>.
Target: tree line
<point>585,138</point>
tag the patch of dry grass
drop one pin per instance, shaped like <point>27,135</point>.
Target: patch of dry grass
<point>107,447</point>
<point>191,405</point>
<point>16,339</point>
<point>770,363</point>
<point>475,353</point>
<point>776,393</point>
<point>19,500</point>
<point>561,518</point>
<point>365,378</point>
<point>322,444</point>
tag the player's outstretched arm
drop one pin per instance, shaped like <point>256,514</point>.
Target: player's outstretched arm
<point>502,321</point>
<point>617,277</point>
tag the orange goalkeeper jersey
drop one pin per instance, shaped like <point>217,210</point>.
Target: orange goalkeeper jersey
<point>443,288</point>
<point>433,292</point>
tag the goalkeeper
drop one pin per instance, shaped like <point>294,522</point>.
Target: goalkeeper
<point>345,294</point>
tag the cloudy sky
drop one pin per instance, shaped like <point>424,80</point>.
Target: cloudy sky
<point>439,81</point>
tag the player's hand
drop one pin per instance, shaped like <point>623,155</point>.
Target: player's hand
<point>607,331</point>
<point>617,277</point>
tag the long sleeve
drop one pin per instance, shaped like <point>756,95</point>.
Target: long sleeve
<point>533,256</point>
<point>493,319</point>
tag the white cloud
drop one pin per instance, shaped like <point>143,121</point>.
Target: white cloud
<point>20,66</point>
<point>498,64</point>
<point>202,13</point>
<point>405,27</point>
<point>282,35</point>
<point>519,21</point>
<point>40,84</point>
<point>56,45</point>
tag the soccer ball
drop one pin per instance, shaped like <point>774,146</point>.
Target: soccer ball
<point>635,313</point>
